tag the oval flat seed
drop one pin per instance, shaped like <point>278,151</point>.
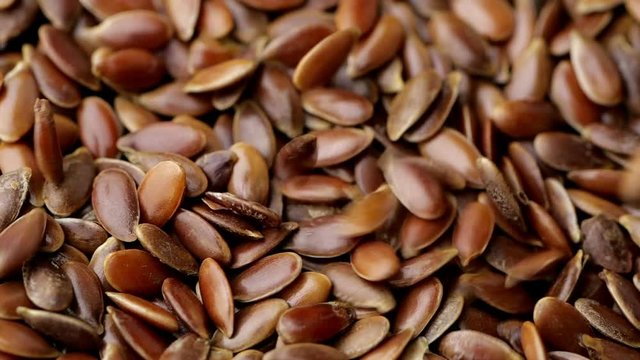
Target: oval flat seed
<point>167,249</point>
<point>418,306</point>
<point>188,346</point>
<point>314,323</point>
<point>130,69</point>
<point>323,60</point>
<point>289,48</point>
<point>603,348</point>
<point>13,295</point>
<point>134,171</point>
<point>135,272</point>
<point>145,310</point>
<point>253,324</point>
<point>144,341</point>
<point>493,19</point>
<point>377,48</point>
<point>220,76</point>
<point>98,126</point>
<point>280,270</point>
<point>447,314</point>
<point>624,294</point>
<point>250,251</point>
<point>459,343</point>
<point>186,305</point>
<point>14,186</point>
<point>565,92</point>
<point>89,302</point>
<point>160,192</point>
<point>280,100</point>
<point>416,234</point>
<point>337,106</point>
<point>546,311</point>
<point>171,100</point>
<point>608,322</point>
<point>18,339</point>
<point>304,351</point>
<point>254,210</point>
<point>46,285</point>
<point>391,348</point>
<point>69,331</point>
<point>115,202</point>
<point>20,241</point>
<point>84,235</point>
<point>349,287</point>
<point>167,137</point>
<point>309,288</point>
<point>414,185</point>
<point>362,336</point>
<point>19,92</point>
<point>70,195</point>
<point>568,277</point>
<point>97,259</point>
<point>217,166</point>
<point>217,296</point>
<point>473,231</point>
<point>54,85</point>
<point>196,179</point>
<point>250,175</point>
<point>133,28</point>
<point>375,261</point>
<point>420,267</point>
<point>251,126</point>
<point>199,237</point>
<point>490,288</point>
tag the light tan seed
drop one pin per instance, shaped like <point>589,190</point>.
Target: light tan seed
<point>134,272</point>
<point>379,47</point>
<point>324,59</point>
<point>280,270</point>
<point>253,324</point>
<point>216,296</point>
<point>468,344</point>
<point>363,336</point>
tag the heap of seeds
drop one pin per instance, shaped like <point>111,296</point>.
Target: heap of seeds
<point>320,179</point>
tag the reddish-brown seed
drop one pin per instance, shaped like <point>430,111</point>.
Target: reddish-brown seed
<point>18,93</point>
<point>144,341</point>
<point>473,231</point>
<point>70,332</point>
<point>216,296</point>
<point>199,237</point>
<point>129,69</point>
<point>160,192</point>
<point>314,323</point>
<point>357,14</point>
<point>560,335</point>
<point>377,48</point>
<point>467,344</point>
<point>251,126</point>
<point>250,175</point>
<point>309,351</point>
<point>565,92</point>
<point>135,272</point>
<point>186,305</point>
<point>420,267</point>
<point>166,248</point>
<point>89,302</point>
<point>145,310</point>
<point>391,348</point>
<point>493,19</point>
<point>308,289</point>
<point>220,76</point>
<point>375,261</point>
<point>53,84</point>
<point>12,295</point>
<point>337,106</point>
<point>18,339</point>
<point>266,276</point>
<point>171,100</point>
<point>115,202</point>
<point>14,186</point>
<point>418,306</point>
<point>349,287</point>
<point>98,126</point>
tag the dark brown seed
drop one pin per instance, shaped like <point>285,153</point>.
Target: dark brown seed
<point>160,192</point>
<point>18,339</point>
<point>568,277</point>
<point>560,335</point>
<point>216,296</point>
<point>84,235</point>
<point>250,209</point>
<point>567,152</point>
<point>227,221</point>
<point>500,193</point>
<point>606,245</point>
<point>69,331</point>
<point>115,202</point>
<point>14,186</point>
<point>135,272</point>
<point>280,100</point>
<point>251,284</point>
<point>251,126</point>
<point>510,117</point>
<point>469,344</point>
<point>314,323</point>
<point>53,84</point>
<point>253,324</point>
<point>289,48</point>
<point>166,248</point>
<point>16,19</point>
<point>217,166</point>
<point>144,341</point>
<point>608,322</point>
<point>199,237</point>
<point>130,69</point>
<point>490,288</point>
<point>296,156</point>
<point>250,251</point>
